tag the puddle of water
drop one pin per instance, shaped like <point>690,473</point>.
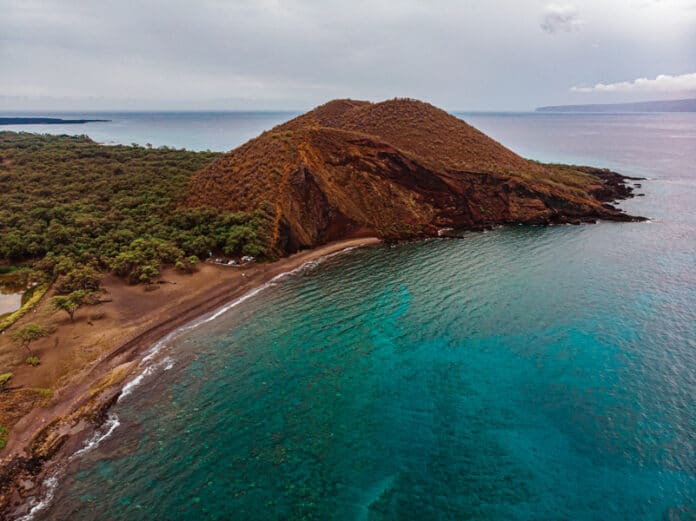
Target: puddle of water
<point>9,302</point>
<point>11,290</point>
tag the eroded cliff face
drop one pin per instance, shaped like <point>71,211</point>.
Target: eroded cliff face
<point>395,169</point>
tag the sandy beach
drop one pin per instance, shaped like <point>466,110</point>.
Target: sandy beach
<point>51,409</point>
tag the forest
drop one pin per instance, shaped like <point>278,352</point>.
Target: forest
<point>68,203</point>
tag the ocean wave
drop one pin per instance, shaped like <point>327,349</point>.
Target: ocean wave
<point>50,486</point>
<point>165,364</point>
<point>111,424</point>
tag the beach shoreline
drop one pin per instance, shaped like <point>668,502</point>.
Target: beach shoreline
<point>47,437</point>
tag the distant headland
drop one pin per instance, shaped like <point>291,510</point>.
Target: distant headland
<point>679,105</point>
<point>48,121</point>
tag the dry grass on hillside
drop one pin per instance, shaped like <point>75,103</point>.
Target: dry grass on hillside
<point>351,167</point>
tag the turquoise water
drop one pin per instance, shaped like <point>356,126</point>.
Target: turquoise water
<point>526,373</point>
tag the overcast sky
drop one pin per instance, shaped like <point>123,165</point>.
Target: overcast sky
<point>295,54</point>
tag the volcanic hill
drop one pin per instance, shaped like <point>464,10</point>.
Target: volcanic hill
<point>397,169</point>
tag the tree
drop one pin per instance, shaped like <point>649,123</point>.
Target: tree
<point>148,273</point>
<point>239,237</point>
<point>187,265</point>
<point>57,234</point>
<point>72,302</point>
<point>81,277</point>
<point>140,262</point>
<point>28,334</point>
<point>64,303</point>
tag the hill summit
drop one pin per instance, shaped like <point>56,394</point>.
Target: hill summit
<point>397,169</point>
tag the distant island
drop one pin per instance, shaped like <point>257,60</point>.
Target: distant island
<point>679,105</point>
<point>48,121</point>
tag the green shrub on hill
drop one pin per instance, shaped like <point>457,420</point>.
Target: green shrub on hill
<point>4,378</point>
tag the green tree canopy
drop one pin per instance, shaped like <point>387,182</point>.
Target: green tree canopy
<point>28,334</point>
<point>75,209</point>
<point>72,302</point>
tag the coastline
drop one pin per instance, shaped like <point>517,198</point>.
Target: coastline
<point>47,437</point>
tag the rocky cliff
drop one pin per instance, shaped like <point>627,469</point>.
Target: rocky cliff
<point>397,169</point>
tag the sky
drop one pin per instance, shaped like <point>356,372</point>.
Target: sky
<point>296,54</point>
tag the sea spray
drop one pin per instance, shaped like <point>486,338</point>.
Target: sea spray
<point>110,425</point>
<point>165,364</point>
<point>50,485</point>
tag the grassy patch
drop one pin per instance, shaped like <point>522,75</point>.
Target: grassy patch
<point>43,392</point>
<point>36,295</point>
<point>4,435</point>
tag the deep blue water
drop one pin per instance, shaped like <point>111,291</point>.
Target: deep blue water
<point>526,373</point>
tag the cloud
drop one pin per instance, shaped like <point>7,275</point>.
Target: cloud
<point>560,18</point>
<point>661,83</point>
<point>677,4</point>
<point>178,54</point>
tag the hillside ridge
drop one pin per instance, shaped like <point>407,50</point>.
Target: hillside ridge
<point>399,168</point>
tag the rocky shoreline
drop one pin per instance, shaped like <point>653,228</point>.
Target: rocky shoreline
<point>613,189</point>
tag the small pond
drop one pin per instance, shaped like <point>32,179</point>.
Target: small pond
<point>9,302</point>
<point>11,291</point>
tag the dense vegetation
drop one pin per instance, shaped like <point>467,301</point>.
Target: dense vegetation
<point>67,203</point>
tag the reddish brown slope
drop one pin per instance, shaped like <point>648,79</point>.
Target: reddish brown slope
<point>398,168</point>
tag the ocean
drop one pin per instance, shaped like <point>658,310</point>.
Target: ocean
<point>217,131</point>
<point>525,373</point>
